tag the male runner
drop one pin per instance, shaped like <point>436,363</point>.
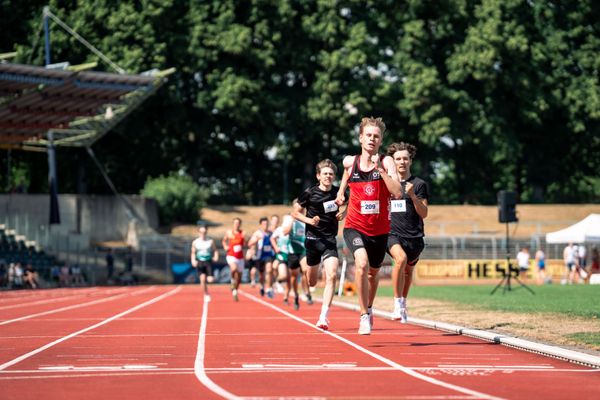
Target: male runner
<point>372,179</point>
<point>405,242</point>
<point>264,256</point>
<point>316,207</point>
<point>233,243</point>
<point>203,251</point>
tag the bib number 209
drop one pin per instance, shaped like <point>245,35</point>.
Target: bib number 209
<point>369,207</point>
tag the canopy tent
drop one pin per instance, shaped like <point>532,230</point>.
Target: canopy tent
<point>586,230</point>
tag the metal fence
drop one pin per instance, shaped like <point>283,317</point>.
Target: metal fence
<point>156,253</point>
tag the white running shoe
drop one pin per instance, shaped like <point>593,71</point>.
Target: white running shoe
<point>207,298</point>
<point>396,314</point>
<point>323,323</point>
<point>403,315</point>
<point>279,287</point>
<point>365,326</point>
<point>235,295</point>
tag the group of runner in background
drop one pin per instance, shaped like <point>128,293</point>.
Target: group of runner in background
<point>383,214</point>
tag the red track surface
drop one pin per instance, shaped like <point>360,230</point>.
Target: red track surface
<point>165,343</point>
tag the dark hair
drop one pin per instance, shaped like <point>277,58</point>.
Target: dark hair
<point>262,219</point>
<point>394,147</point>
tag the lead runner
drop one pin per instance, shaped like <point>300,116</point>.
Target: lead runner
<point>372,180</point>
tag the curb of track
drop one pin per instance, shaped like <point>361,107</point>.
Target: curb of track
<point>521,344</point>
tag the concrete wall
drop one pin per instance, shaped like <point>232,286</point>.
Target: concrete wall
<point>101,218</point>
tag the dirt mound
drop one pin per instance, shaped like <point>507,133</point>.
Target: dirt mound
<point>442,219</point>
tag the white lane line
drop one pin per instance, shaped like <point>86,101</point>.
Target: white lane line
<point>199,369</point>
<point>89,303</point>
<point>384,360</point>
<point>104,322</point>
<point>60,298</point>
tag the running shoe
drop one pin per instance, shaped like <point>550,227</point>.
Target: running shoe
<point>403,315</point>
<point>270,293</point>
<point>279,287</point>
<point>323,323</point>
<point>206,298</point>
<point>309,300</point>
<point>396,314</point>
<point>235,295</point>
<point>296,303</point>
<point>364,328</point>
<point>262,291</point>
<point>286,301</point>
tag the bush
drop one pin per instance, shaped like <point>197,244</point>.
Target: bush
<point>179,198</point>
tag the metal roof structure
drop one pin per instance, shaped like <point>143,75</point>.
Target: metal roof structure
<point>77,107</point>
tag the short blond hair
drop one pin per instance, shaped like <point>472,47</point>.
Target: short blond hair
<point>378,122</point>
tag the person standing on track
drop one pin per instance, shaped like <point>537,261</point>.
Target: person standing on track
<point>316,207</point>
<point>405,241</point>
<point>372,178</point>
<point>264,256</point>
<point>233,243</point>
<point>203,251</point>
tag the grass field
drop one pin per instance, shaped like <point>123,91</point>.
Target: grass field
<point>563,315</point>
<point>571,300</point>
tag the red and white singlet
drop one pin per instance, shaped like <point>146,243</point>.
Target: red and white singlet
<point>369,204</point>
<point>236,245</point>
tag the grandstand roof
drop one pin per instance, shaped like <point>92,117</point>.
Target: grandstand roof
<point>79,107</point>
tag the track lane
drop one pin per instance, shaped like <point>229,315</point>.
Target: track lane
<point>146,354</point>
<point>456,360</point>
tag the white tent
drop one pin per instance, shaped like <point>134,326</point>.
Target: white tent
<point>586,230</point>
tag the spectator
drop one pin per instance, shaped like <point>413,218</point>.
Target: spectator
<point>582,262</point>
<point>570,263</point>
<point>540,262</point>
<point>110,265</point>
<point>17,276</point>
<point>3,273</point>
<point>129,260</point>
<point>31,276</point>
<point>77,276</point>
<point>65,275</point>
<point>55,274</point>
<point>595,269</point>
<point>523,261</point>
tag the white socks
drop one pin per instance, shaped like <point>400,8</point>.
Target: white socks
<point>400,302</point>
<point>324,311</point>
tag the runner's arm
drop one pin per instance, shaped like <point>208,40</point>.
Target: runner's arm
<point>193,260</point>
<point>391,179</point>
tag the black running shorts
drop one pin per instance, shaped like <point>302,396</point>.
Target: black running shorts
<point>374,245</point>
<point>318,249</point>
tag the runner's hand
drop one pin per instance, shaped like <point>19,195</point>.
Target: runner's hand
<point>340,199</point>
<point>315,220</point>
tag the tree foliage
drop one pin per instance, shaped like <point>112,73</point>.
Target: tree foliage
<point>179,198</point>
<point>496,94</point>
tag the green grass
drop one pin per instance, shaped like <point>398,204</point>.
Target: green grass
<point>575,300</point>
<point>592,338</point>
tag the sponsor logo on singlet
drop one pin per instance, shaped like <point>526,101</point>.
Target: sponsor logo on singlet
<point>369,190</point>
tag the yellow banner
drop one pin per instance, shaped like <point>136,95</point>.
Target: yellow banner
<point>481,269</point>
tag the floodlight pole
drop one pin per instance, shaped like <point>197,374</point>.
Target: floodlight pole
<point>52,181</point>
<point>47,34</point>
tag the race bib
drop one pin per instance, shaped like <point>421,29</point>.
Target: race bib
<point>237,248</point>
<point>369,207</point>
<point>330,206</point>
<point>398,205</point>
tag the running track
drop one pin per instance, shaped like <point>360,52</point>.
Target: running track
<point>163,342</point>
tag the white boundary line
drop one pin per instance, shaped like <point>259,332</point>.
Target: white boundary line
<point>89,303</point>
<point>199,369</point>
<point>520,344</point>
<point>104,322</point>
<point>384,360</point>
